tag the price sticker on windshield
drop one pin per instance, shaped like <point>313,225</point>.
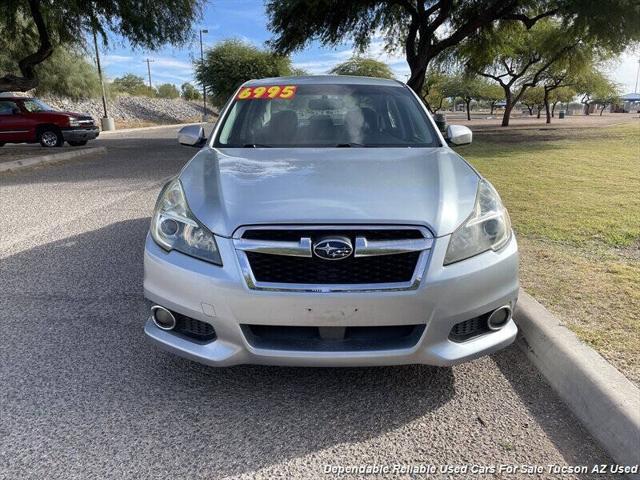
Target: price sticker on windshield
<point>284,92</point>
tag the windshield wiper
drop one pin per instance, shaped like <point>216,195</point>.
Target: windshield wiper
<point>350,144</point>
<point>255,145</point>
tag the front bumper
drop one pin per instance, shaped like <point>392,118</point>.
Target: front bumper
<point>80,134</point>
<point>220,297</point>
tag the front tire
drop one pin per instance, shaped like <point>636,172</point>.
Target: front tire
<point>78,143</point>
<point>50,137</point>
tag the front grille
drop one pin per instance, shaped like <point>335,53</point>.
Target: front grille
<point>194,329</point>
<point>293,235</point>
<point>469,328</point>
<point>311,270</point>
<point>315,271</point>
<point>332,339</point>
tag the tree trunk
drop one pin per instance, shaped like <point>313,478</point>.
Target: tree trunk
<point>416,80</point>
<point>493,105</point>
<point>602,109</point>
<point>530,109</point>
<point>468,103</point>
<point>553,109</point>
<point>547,110</point>
<point>509,103</point>
<point>539,110</point>
<point>29,79</point>
<point>586,109</point>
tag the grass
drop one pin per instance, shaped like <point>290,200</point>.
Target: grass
<point>574,200</point>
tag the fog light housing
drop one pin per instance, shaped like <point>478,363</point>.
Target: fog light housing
<point>163,318</point>
<point>499,318</point>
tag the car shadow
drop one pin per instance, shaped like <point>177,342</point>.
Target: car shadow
<point>549,411</point>
<point>83,372</point>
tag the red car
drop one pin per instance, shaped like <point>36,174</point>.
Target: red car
<point>29,120</point>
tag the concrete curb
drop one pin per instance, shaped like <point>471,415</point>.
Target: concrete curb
<point>54,157</point>
<point>155,127</point>
<point>602,398</point>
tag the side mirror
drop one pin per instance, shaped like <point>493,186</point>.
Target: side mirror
<point>192,136</point>
<point>459,135</point>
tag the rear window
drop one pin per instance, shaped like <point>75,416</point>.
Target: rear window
<point>326,116</point>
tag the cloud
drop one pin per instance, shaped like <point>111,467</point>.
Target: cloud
<point>110,59</point>
<point>163,69</point>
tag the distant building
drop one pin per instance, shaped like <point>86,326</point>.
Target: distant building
<point>631,102</point>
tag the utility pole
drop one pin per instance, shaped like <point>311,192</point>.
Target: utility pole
<point>635,90</point>
<point>149,72</point>
<point>204,88</point>
<point>106,122</point>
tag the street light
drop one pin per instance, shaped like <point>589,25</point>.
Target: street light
<point>204,88</point>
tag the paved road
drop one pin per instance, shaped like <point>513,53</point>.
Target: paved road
<point>83,395</point>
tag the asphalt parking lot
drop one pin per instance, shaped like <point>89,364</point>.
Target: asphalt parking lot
<point>84,395</point>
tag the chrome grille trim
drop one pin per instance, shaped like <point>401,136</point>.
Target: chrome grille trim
<point>294,249</point>
<point>366,248</point>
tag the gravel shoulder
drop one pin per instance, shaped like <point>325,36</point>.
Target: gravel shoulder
<point>85,396</point>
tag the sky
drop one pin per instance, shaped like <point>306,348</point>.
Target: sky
<point>247,20</point>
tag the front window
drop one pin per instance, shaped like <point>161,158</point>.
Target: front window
<point>35,105</point>
<point>325,116</point>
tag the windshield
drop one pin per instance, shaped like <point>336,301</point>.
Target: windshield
<point>35,105</point>
<point>325,116</point>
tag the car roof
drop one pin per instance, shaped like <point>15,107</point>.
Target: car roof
<point>13,98</point>
<point>324,80</point>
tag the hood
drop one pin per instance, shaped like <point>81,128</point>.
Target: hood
<point>229,188</point>
<point>76,114</point>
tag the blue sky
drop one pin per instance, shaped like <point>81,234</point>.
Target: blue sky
<point>246,19</point>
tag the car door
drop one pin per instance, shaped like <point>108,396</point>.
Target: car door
<point>14,127</point>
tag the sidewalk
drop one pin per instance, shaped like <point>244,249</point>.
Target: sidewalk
<point>24,156</point>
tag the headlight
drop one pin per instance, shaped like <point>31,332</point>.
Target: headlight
<point>488,227</point>
<point>74,122</point>
<point>174,227</point>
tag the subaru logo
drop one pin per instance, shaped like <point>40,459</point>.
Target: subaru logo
<point>333,248</point>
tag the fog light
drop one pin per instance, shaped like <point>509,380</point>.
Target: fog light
<point>163,318</point>
<point>499,318</point>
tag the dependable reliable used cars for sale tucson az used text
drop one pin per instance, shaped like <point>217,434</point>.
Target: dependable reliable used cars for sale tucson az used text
<point>327,222</point>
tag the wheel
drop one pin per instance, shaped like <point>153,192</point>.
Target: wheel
<point>50,137</point>
<point>78,143</point>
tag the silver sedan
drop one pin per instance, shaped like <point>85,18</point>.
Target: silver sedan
<point>327,222</point>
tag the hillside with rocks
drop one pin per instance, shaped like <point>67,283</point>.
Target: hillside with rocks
<point>127,110</point>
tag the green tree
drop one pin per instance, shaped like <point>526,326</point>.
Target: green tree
<point>516,57</point>
<point>66,73</point>
<point>563,94</point>
<point>363,67</point>
<point>466,87</point>
<point>594,88</point>
<point>230,63</point>
<point>298,72</point>
<point>491,93</point>
<point>189,92</point>
<point>52,24</point>
<point>533,98</point>
<point>435,90</point>
<point>424,29</point>
<point>131,84</point>
<point>168,90</point>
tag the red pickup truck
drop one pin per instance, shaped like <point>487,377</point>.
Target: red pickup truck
<point>29,120</point>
